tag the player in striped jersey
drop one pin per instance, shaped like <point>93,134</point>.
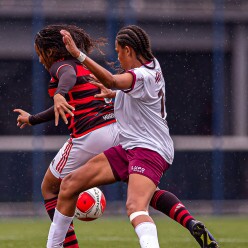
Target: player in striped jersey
<point>92,124</point>
<point>146,148</point>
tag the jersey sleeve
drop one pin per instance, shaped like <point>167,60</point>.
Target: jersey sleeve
<point>147,83</point>
<point>65,73</point>
<point>137,89</point>
<point>67,79</point>
<point>41,117</point>
<point>142,85</point>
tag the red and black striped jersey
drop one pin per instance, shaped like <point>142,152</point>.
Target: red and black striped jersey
<point>90,113</point>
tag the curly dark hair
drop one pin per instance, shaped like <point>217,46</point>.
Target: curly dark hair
<point>138,39</point>
<point>49,38</point>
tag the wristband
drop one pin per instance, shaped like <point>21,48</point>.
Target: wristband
<point>81,57</point>
<point>108,100</point>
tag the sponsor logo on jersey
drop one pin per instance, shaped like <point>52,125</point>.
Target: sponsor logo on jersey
<point>108,116</point>
<point>138,169</point>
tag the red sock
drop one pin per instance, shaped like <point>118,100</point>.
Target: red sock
<point>70,239</point>
<point>169,204</point>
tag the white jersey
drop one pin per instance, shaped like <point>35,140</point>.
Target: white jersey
<point>141,114</point>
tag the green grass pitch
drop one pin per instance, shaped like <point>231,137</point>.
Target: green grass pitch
<point>110,232</point>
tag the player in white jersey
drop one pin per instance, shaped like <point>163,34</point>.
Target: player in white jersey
<point>146,149</point>
<point>143,106</point>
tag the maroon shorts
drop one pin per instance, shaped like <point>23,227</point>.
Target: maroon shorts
<point>138,160</point>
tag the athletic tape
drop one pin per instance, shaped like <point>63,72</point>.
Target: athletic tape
<point>81,57</point>
<point>135,214</point>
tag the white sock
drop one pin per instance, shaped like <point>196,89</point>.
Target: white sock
<point>147,233</point>
<point>58,230</point>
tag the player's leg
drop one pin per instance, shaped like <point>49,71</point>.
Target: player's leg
<point>97,171</point>
<point>140,191</point>
<point>50,189</point>
<point>51,184</point>
<point>146,167</point>
<point>170,205</point>
<point>73,154</point>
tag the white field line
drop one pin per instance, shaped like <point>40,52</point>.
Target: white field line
<point>234,241</point>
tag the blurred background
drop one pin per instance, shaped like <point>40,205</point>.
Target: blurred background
<point>202,49</point>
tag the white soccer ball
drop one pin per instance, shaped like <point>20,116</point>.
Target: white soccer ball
<point>90,204</point>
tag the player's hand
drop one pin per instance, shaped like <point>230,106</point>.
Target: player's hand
<point>105,92</point>
<point>23,118</point>
<point>61,107</point>
<point>70,44</point>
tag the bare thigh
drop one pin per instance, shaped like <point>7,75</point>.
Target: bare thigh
<point>97,171</point>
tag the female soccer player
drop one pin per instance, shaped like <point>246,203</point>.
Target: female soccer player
<point>146,149</point>
<point>91,122</point>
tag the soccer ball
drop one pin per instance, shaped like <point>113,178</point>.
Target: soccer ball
<point>90,204</point>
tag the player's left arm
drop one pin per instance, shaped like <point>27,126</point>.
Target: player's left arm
<point>122,81</point>
<point>67,79</point>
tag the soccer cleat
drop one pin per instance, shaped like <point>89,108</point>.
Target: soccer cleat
<point>202,235</point>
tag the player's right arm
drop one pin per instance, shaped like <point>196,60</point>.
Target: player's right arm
<point>105,92</point>
<point>66,74</point>
<point>23,118</point>
<point>26,119</point>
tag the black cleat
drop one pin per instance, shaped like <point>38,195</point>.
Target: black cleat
<point>202,235</point>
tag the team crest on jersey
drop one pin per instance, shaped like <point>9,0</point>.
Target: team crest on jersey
<point>158,76</point>
<point>141,80</point>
